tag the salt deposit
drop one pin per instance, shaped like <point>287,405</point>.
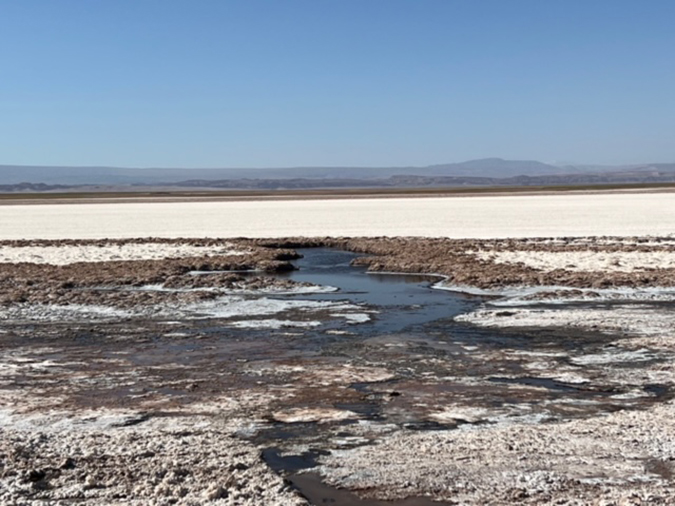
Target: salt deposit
<point>232,306</point>
<point>622,458</point>
<point>145,462</point>
<point>273,324</point>
<point>221,307</point>
<point>534,295</point>
<point>320,415</point>
<point>70,254</point>
<point>72,312</point>
<point>621,261</point>
<point>353,317</point>
<point>632,319</point>
<point>476,217</point>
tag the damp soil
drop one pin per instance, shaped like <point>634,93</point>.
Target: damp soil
<point>431,363</point>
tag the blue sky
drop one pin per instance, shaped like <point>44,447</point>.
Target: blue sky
<point>274,83</point>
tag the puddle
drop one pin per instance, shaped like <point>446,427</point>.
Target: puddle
<point>402,300</point>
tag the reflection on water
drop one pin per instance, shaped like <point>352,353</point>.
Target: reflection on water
<point>402,300</point>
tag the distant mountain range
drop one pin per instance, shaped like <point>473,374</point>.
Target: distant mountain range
<point>484,172</point>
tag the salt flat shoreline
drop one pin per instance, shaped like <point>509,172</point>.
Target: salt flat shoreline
<point>483,217</point>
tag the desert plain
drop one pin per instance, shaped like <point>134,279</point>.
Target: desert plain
<point>480,350</point>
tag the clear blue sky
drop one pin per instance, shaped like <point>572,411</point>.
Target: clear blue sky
<point>262,83</point>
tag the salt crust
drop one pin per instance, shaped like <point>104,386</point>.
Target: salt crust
<point>530,295</point>
<point>637,320</point>
<point>271,290</point>
<point>353,317</point>
<point>319,415</point>
<point>580,261</point>
<point>474,217</point>
<point>144,462</point>
<point>222,307</point>
<point>70,254</point>
<point>573,463</point>
<point>273,323</point>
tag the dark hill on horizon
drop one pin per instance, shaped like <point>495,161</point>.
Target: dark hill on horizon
<point>489,167</point>
<point>483,172</point>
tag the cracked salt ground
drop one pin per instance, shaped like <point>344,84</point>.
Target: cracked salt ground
<point>409,406</point>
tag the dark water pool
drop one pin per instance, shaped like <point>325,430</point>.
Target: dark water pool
<point>402,300</point>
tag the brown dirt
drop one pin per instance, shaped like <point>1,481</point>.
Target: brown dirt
<point>81,283</point>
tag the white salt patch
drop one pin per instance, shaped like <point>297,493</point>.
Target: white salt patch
<point>569,377</point>
<point>457,413</point>
<point>529,296</point>
<point>319,415</point>
<point>533,295</point>
<point>631,394</point>
<point>614,355</point>
<point>271,290</point>
<point>160,288</point>
<point>306,290</point>
<point>231,306</point>
<point>272,324</point>
<point>577,261</point>
<point>347,374</point>
<point>63,313</point>
<point>222,307</point>
<point>636,320</point>
<point>69,254</point>
<point>530,353</point>
<point>353,317</point>
<point>297,290</point>
<point>57,421</point>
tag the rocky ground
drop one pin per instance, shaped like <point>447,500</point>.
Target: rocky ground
<point>139,380</point>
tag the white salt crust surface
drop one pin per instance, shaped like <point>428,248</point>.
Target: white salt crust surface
<point>455,217</point>
<point>531,295</point>
<point>270,290</point>
<point>623,261</point>
<point>222,307</point>
<point>320,415</point>
<point>186,461</point>
<point>634,319</point>
<point>273,323</point>
<point>607,460</point>
<point>70,254</point>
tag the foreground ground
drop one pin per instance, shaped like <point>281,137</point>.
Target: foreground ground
<point>130,376</point>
